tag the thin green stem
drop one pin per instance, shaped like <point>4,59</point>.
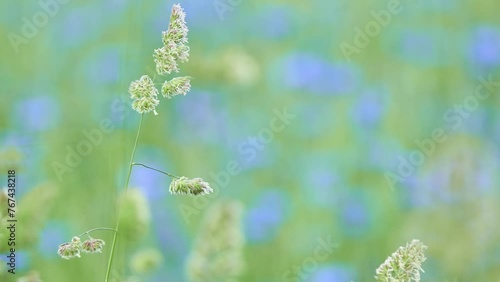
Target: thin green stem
<point>110,262</point>
<point>161,171</point>
<point>95,229</point>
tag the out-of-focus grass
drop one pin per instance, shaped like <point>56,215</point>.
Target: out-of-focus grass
<point>323,175</point>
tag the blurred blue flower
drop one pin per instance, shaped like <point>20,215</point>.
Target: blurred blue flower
<point>170,234</point>
<point>333,273</point>
<point>369,108</point>
<point>198,119</point>
<point>52,235</point>
<point>419,47</point>
<point>101,67</point>
<point>197,105</point>
<point>485,180</point>
<point>247,144</point>
<point>262,221</point>
<point>320,184</point>
<point>322,175</point>
<point>273,22</point>
<point>261,159</point>
<point>432,188</point>
<point>23,260</point>
<point>456,177</point>
<point>424,47</point>
<point>485,46</point>
<point>15,140</point>
<point>32,156</point>
<point>115,7</point>
<point>312,120</point>
<point>119,110</point>
<point>355,215</point>
<point>200,15</point>
<point>382,153</point>
<point>78,25</point>
<point>37,114</point>
<point>307,72</point>
<point>153,184</point>
<point>476,123</point>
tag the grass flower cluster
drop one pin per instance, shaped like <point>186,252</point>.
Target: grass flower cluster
<point>176,86</point>
<point>74,248</point>
<point>186,186</point>
<point>218,252</point>
<point>132,220</point>
<point>404,265</point>
<point>145,95</point>
<point>175,41</point>
<point>92,246</point>
<point>166,58</point>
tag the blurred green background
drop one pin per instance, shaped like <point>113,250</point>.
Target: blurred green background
<point>323,176</point>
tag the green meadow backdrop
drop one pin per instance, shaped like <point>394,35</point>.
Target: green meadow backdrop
<point>340,129</point>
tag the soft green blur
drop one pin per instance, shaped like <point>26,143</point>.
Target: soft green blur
<point>338,169</point>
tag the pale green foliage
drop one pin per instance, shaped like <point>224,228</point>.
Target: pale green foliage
<point>32,276</point>
<point>404,265</point>
<point>3,219</point>
<point>33,211</point>
<point>146,260</point>
<point>186,186</point>
<point>135,217</point>
<point>4,233</point>
<point>10,157</point>
<point>3,200</point>
<point>218,251</point>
